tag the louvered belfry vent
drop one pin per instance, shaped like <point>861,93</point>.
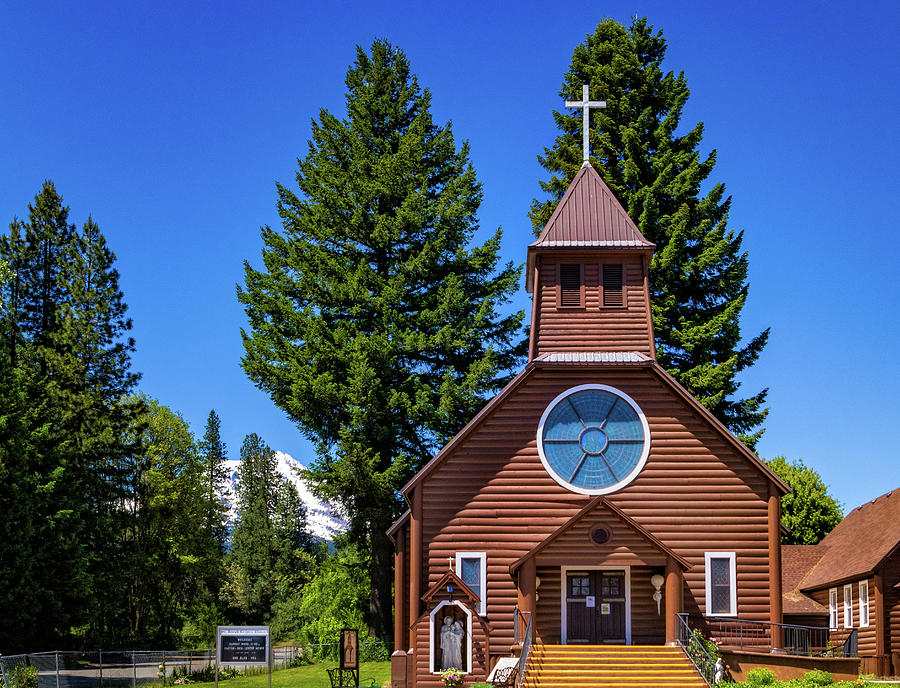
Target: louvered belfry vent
<point>613,294</point>
<point>570,285</point>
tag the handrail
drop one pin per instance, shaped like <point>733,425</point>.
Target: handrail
<point>696,651</point>
<point>526,648</point>
<point>809,641</point>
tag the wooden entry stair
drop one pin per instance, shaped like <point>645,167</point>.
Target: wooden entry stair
<point>610,666</point>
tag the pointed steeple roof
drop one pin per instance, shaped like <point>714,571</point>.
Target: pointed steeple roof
<point>590,215</point>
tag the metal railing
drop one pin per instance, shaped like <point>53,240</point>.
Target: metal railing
<point>808,641</point>
<point>692,643</point>
<point>526,645</point>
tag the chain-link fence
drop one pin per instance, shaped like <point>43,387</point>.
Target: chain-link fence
<point>123,668</point>
<point>132,668</point>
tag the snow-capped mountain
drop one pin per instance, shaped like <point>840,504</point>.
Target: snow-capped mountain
<point>325,520</point>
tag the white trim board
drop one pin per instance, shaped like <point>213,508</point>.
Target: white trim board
<point>482,598</point>
<point>564,615</point>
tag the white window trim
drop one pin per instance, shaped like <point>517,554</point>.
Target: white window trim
<point>733,575</point>
<point>832,608</point>
<point>431,638</point>
<point>848,606</point>
<point>482,602</point>
<point>864,604</point>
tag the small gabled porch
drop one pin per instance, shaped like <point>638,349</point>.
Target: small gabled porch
<point>601,578</point>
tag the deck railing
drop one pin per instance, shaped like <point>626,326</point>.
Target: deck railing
<point>808,641</point>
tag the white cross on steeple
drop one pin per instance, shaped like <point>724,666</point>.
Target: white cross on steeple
<point>585,104</point>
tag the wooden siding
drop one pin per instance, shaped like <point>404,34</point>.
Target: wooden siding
<point>481,644</point>
<point>892,602</point>
<point>865,636</point>
<point>592,327</point>
<point>696,493</point>
<point>625,546</point>
<point>547,614</point>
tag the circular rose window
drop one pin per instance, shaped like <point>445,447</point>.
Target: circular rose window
<point>593,439</point>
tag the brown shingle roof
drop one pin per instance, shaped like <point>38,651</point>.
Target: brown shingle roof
<point>589,215</point>
<point>859,543</point>
<point>796,562</point>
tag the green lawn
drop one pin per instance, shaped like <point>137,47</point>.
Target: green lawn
<point>310,676</point>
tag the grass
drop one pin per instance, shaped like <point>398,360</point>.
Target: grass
<point>309,676</point>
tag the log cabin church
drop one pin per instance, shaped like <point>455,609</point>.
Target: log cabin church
<point>593,499</point>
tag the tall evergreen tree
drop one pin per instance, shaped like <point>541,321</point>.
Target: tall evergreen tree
<point>66,348</point>
<point>213,452</point>
<point>372,324</point>
<point>254,544</point>
<point>698,275</point>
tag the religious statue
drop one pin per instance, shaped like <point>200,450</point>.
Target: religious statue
<point>719,671</point>
<point>451,643</point>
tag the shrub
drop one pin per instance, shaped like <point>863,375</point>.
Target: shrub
<point>760,677</point>
<point>817,677</point>
<point>22,677</point>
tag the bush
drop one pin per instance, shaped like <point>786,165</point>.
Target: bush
<point>817,677</point>
<point>760,677</point>
<point>22,677</point>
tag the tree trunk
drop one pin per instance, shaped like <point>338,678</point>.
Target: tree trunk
<point>381,573</point>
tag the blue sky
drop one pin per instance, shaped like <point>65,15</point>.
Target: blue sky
<point>170,123</point>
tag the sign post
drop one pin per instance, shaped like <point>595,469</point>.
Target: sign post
<point>243,645</point>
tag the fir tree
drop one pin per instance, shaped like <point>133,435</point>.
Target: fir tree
<point>698,276</point>
<point>213,452</point>
<point>372,324</point>
<point>66,357</point>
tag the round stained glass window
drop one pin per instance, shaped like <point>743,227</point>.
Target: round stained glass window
<point>593,439</point>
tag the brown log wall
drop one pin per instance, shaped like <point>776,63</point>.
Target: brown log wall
<point>866,637</point>
<point>892,604</point>
<point>696,494</point>
<point>593,328</point>
<point>549,603</point>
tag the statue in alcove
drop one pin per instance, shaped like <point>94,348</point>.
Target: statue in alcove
<point>451,643</point>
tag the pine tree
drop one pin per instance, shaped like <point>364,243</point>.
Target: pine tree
<point>214,454</point>
<point>253,540</point>
<point>66,347</point>
<point>372,324</point>
<point>698,275</point>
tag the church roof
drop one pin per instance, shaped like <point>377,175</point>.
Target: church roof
<point>587,216</point>
<point>590,215</point>
<point>859,543</point>
<point>796,563</point>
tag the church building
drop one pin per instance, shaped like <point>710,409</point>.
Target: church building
<point>593,500</point>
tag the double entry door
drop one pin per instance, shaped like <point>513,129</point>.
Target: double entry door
<point>595,607</point>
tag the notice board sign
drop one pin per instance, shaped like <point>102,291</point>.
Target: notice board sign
<point>349,648</point>
<point>242,645</point>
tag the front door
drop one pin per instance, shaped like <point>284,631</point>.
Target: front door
<point>595,607</point>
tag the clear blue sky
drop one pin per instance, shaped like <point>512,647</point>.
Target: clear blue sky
<point>170,123</point>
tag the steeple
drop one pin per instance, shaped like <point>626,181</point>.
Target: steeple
<point>587,272</point>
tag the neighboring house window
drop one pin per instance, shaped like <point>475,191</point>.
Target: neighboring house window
<point>863,604</point>
<point>472,569</point>
<point>848,606</point>
<point>832,608</point>
<point>721,584</point>
<point>571,286</point>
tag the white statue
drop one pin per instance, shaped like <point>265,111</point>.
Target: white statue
<point>451,644</point>
<point>720,671</point>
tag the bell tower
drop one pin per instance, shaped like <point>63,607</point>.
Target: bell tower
<point>587,273</point>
